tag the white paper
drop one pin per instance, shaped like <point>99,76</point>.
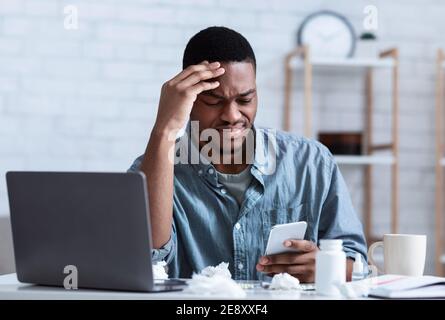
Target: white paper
<point>222,269</point>
<point>215,281</point>
<point>159,270</point>
<point>284,281</point>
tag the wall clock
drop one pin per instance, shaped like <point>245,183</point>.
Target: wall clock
<point>328,35</point>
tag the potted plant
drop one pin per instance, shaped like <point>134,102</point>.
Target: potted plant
<point>367,45</point>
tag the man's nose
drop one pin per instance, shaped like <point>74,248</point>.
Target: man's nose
<point>230,113</point>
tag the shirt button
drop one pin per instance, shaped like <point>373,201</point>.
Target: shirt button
<point>223,191</point>
<point>211,171</point>
<point>240,266</point>
<point>237,226</point>
<point>200,171</point>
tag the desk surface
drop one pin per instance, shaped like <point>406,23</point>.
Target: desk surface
<point>11,289</point>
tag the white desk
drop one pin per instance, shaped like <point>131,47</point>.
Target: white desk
<point>11,289</point>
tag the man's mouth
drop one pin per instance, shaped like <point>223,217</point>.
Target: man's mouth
<point>232,132</point>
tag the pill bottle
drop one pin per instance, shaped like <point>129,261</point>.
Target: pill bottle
<point>330,267</point>
<point>358,268</point>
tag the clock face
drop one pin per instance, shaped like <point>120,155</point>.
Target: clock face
<point>328,35</point>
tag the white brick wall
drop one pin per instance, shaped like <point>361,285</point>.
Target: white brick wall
<point>86,99</point>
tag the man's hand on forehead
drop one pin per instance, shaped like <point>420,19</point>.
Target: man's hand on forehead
<point>179,93</point>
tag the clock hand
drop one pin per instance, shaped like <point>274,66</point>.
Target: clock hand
<point>335,33</point>
<point>322,35</point>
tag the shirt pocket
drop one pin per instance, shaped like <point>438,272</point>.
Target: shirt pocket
<point>283,215</point>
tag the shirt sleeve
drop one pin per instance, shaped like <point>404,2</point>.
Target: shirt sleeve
<point>338,218</point>
<point>167,251</point>
<point>136,164</point>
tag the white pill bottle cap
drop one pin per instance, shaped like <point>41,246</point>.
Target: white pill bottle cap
<point>331,245</point>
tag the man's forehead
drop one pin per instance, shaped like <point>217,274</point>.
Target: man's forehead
<point>243,70</point>
<point>237,80</point>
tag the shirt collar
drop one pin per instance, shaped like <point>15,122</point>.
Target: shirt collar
<point>264,162</point>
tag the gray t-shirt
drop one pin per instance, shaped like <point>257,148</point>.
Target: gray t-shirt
<point>236,184</point>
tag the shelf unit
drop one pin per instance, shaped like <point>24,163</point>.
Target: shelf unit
<point>300,59</point>
<point>358,160</point>
<point>440,163</point>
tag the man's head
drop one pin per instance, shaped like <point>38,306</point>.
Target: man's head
<point>218,44</point>
<point>233,105</point>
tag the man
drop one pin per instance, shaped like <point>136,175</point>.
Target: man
<point>209,211</point>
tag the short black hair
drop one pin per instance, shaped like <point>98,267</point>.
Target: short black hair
<point>218,44</point>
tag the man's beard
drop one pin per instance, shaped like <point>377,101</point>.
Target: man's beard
<point>234,150</point>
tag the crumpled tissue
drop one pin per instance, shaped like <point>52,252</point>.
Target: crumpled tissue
<point>284,281</point>
<point>356,289</point>
<point>222,270</point>
<point>215,281</point>
<point>159,270</point>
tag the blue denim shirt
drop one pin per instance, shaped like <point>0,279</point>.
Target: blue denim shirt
<point>304,184</point>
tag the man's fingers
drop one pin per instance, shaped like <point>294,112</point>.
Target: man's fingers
<point>283,258</point>
<point>279,268</point>
<point>204,65</point>
<point>305,258</point>
<point>203,86</point>
<point>300,245</point>
<point>300,264</point>
<point>289,258</point>
<point>188,71</point>
<point>199,76</point>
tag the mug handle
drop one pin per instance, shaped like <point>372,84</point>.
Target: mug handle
<point>374,246</point>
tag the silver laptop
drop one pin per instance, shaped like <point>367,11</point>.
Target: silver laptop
<point>97,222</point>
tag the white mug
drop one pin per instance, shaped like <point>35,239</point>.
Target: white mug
<point>404,254</point>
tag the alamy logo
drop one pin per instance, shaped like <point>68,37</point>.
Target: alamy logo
<point>225,146</point>
<point>71,21</point>
<point>71,280</point>
<point>371,20</point>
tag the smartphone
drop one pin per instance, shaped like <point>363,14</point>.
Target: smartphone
<point>282,232</point>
